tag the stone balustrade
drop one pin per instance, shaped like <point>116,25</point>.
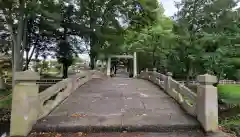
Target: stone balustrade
<point>203,105</point>
<point>47,82</point>
<point>28,105</point>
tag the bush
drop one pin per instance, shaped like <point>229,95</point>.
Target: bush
<point>6,102</point>
<point>4,92</point>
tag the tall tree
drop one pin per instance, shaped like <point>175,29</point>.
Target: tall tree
<point>15,15</point>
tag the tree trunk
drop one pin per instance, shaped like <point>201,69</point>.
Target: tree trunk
<point>65,71</point>
<point>92,58</point>
<point>189,72</point>
<point>17,45</point>
<point>93,38</point>
<point>188,79</point>
<point>92,62</point>
<point>153,56</point>
<point>115,71</point>
<point>36,60</point>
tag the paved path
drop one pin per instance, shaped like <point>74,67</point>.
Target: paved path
<point>118,104</point>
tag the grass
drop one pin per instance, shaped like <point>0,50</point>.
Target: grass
<point>229,90</point>
<point>229,94</point>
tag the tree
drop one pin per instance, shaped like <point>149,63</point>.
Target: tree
<point>64,55</point>
<point>152,42</point>
<point>15,15</point>
<point>204,34</point>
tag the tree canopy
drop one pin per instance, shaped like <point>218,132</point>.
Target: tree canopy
<point>202,37</point>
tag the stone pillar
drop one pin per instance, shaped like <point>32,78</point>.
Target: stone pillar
<point>167,82</point>
<point>135,64</point>
<point>25,103</point>
<point>61,70</point>
<point>109,66</point>
<point>154,69</point>
<point>126,69</point>
<point>102,65</point>
<point>207,102</point>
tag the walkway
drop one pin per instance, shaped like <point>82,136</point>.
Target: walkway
<point>118,104</point>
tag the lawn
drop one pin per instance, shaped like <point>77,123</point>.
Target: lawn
<point>229,93</point>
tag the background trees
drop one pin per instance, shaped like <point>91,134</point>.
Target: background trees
<point>30,29</point>
<point>202,37</point>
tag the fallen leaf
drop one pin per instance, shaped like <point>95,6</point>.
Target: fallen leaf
<point>58,135</point>
<point>78,115</point>
<point>80,133</point>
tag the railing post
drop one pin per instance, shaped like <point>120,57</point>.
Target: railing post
<point>207,102</point>
<point>154,69</point>
<point>167,82</point>
<point>135,64</point>
<point>146,69</point>
<point>25,103</point>
<point>109,66</point>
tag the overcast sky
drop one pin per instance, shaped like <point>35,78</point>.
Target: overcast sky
<point>169,6</point>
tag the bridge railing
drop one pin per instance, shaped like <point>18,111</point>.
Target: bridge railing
<point>46,82</point>
<point>203,105</point>
<point>220,82</point>
<point>30,105</point>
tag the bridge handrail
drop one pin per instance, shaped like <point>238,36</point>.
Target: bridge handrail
<point>28,105</point>
<point>203,105</point>
<point>60,90</point>
<point>40,82</point>
<point>182,94</point>
<point>224,81</point>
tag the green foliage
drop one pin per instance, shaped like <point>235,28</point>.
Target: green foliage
<point>4,92</point>
<point>153,41</point>
<point>6,102</point>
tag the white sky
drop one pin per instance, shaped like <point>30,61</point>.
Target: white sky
<point>169,6</point>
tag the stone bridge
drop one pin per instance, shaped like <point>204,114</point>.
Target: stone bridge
<point>151,105</point>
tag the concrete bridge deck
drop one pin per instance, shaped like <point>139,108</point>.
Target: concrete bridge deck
<point>115,105</point>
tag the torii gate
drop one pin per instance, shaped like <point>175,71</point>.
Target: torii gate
<point>134,57</point>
